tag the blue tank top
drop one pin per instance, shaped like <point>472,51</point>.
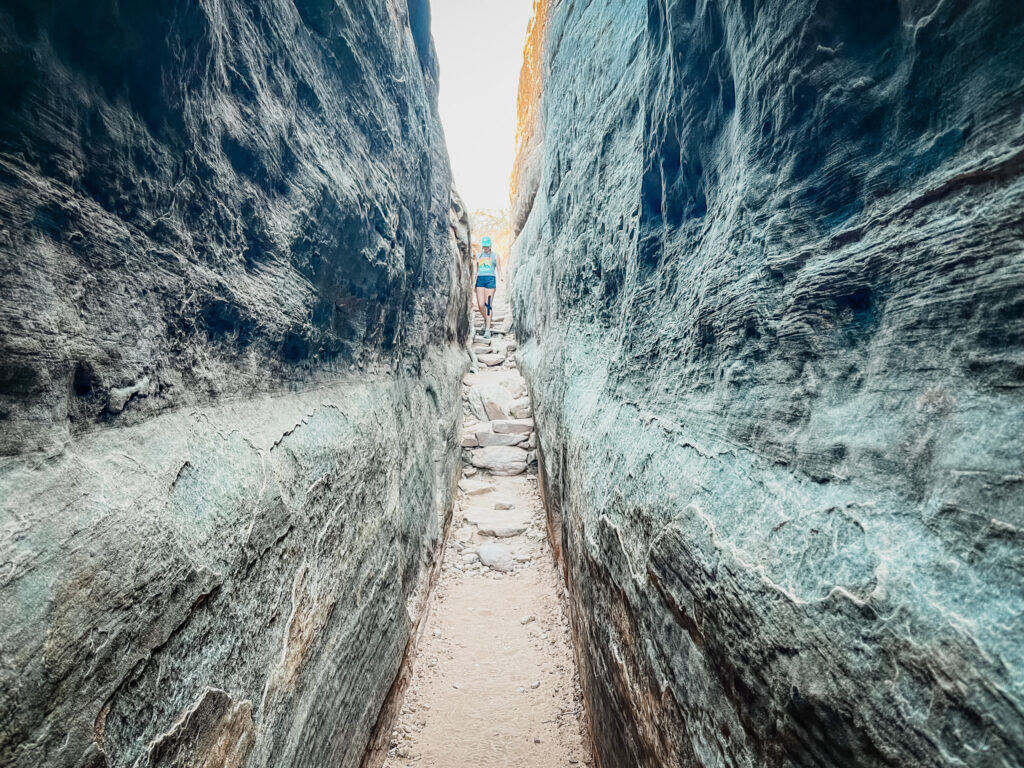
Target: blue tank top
<point>485,264</point>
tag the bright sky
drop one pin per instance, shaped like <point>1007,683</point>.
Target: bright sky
<point>480,48</point>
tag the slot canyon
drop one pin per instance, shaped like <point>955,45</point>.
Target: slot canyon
<point>736,482</point>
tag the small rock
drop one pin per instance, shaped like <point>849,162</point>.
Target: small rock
<point>535,684</point>
<point>527,619</point>
<point>504,504</point>
<point>119,397</point>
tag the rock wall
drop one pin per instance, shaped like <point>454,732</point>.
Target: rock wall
<point>769,292</point>
<point>230,329</point>
<point>529,137</point>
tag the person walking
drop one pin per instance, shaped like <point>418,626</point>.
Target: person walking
<point>488,270</point>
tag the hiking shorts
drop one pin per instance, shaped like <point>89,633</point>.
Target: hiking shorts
<point>487,281</point>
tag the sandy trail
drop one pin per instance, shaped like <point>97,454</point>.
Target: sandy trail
<point>494,681</point>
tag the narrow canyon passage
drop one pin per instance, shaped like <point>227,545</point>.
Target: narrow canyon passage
<point>267,501</point>
<point>494,681</point>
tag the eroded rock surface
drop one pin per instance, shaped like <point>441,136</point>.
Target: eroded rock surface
<point>769,296</point>
<point>234,293</point>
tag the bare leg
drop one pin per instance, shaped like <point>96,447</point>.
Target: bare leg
<point>490,301</point>
<point>481,303</point>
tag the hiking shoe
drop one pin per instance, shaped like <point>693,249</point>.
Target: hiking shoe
<point>487,333</point>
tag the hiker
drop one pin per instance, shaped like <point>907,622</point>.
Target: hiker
<point>488,270</point>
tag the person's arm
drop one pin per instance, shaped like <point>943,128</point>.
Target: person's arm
<point>498,268</point>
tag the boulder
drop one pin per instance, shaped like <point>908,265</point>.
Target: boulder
<point>520,408</point>
<point>492,359</point>
<point>488,401</point>
<point>514,383</point>
<point>496,556</point>
<point>500,459</point>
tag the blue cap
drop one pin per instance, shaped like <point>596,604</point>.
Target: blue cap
<point>486,242</point>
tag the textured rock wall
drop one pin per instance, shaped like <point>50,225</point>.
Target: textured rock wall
<point>529,136</point>
<point>233,300</point>
<point>770,297</point>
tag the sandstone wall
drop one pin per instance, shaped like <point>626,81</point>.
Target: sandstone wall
<point>233,301</point>
<point>529,131</point>
<point>770,298</point>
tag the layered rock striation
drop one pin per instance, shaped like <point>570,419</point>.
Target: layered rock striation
<point>769,294</point>
<point>235,290</point>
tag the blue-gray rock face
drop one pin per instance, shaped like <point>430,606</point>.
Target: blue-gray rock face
<point>770,294</point>
<point>233,303</point>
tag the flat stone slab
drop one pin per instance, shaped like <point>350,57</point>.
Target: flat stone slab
<point>512,426</point>
<point>500,459</point>
<point>485,437</point>
<point>476,487</point>
<point>502,531</point>
<point>500,523</point>
<point>491,359</point>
